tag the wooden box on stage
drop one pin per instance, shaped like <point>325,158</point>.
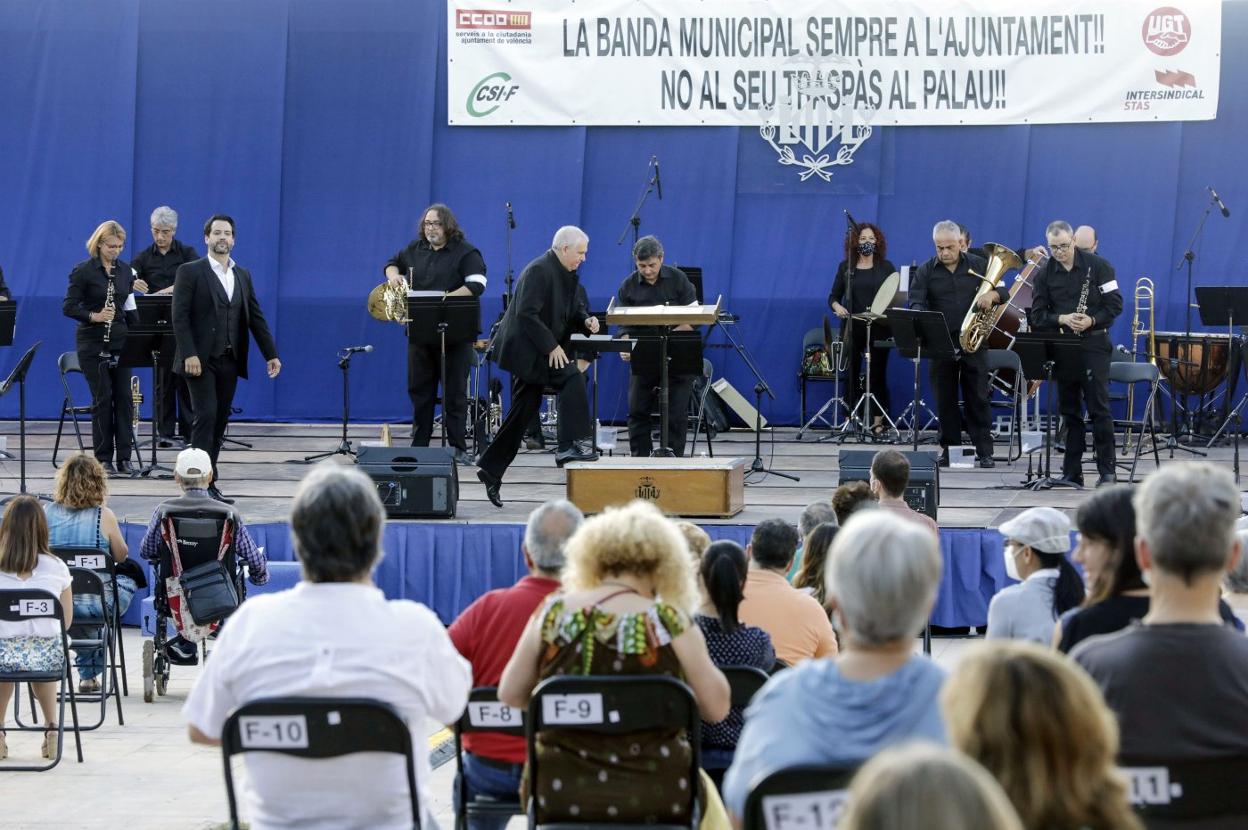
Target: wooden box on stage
<point>677,486</point>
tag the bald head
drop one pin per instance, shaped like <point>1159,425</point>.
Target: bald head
<point>1085,238</point>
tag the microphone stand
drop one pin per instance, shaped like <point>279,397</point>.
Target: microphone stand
<point>511,226</point>
<point>1189,256</point>
<point>760,387</point>
<point>634,221</point>
<point>847,339</point>
<point>344,446</point>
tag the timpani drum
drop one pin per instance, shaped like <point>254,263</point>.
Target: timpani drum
<point>1193,365</point>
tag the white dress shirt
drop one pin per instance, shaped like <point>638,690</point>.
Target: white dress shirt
<point>225,274</point>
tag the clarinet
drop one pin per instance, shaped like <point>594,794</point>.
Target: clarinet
<point>1082,306</point>
<point>108,326</point>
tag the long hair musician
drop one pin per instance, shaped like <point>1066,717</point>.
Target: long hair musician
<point>99,298</point>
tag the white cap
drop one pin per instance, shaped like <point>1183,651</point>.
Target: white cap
<point>1045,529</point>
<point>193,463</point>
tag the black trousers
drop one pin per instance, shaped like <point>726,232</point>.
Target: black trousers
<point>212,394</point>
<point>643,398</point>
<point>171,396</point>
<point>424,369</point>
<point>1084,380</point>
<point>110,405</point>
<point>879,367</point>
<point>526,400</point>
<point>969,374</point>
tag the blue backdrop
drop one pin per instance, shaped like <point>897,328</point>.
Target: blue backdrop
<point>321,126</point>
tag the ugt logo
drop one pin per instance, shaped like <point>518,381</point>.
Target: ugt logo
<point>647,489</point>
<point>1166,31</point>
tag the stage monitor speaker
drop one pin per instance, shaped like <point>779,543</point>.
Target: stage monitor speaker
<point>923,491</point>
<point>736,404</point>
<point>413,482</point>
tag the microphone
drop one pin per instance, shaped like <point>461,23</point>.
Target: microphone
<point>355,349</point>
<point>1121,349</point>
<point>1225,210</point>
<point>511,220</point>
<point>658,182</point>
<point>853,223</point>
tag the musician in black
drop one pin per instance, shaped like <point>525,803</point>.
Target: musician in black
<point>102,327</point>
<point>654,283</point>
<point>868,251</point>
<point>944,283</point>
<point>1076,291</point>
<point>4,289</point>
<point>157,265</point>
<point>440,259</point>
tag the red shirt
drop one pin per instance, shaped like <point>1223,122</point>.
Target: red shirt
<point>486,634</point>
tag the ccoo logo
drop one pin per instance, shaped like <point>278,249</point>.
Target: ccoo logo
<point>1166,31</point>
<point>492,89</point>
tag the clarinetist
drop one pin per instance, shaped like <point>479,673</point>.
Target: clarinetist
<point>99,298</point>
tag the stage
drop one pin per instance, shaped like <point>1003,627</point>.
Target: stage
<point>447,563</point>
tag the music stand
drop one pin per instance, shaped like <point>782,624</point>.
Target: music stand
<point>8,323</point>
<point>437,319</point>
<point>1222,306</point>
<point>920,334</point>
<point>18,376</point>
<point>142,348</point>
<point>1038,353</point>
<point>671,352</point>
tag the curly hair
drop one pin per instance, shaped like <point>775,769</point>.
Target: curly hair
<point>635,539</point>
<point>80,483</point>
<point>849,498</point>
<point>1039,724</point>
<point>851,242</point>
<point>450,225</point>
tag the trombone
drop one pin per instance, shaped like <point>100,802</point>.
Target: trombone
<point>1145,294</point>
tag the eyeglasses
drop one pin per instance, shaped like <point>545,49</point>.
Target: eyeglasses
<point>432,223</point>
<point>1065,246</point>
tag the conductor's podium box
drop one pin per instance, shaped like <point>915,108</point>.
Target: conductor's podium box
<point>677,486</point>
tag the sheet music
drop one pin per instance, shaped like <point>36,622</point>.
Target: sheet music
<point>424,293</point>
<point>130,304</point>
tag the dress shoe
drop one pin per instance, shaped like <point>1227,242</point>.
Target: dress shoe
<point>1106,479</point>
<point>985,462</point>
<point>218,495</point>
<point>579,451</point>
<point>109,469</point>
<point>125,468</point>
<point>943,459</point>
<point>464,457</point>
<point>492,485</point>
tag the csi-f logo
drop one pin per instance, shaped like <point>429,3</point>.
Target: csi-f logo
<point>1166,31</point>
<point>492,89</point>
<point>647,489</point>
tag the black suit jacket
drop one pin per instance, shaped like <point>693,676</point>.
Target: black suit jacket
<point>545,311</point>
<point>199,306</point>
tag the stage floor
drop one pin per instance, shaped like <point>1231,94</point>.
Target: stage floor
<point>263,482</point>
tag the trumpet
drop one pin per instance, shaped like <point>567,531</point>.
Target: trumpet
<point>389,302</point>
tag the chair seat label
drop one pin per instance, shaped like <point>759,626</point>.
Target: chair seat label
<point>804,811</point>
<point>487,713</point>
<point>90,561</point>
<point>572,709</point>
<point>273,732</point>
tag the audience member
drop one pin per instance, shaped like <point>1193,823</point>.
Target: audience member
<point>813,515</point>
<point>851,497</point>
<point>1036,542</point>
<point>1235,586</point>
<point>78,518</point>
<point>890,475</point>
<point>810,578</point>
<point>797,623</point>
<point>924,787</point>
<point>486,634</point>
<point>32,645</point>
<point>1040,726</point>
<point>1179,682</point>
<point>193,474</point>
<point>333,635</point>
<point>722,578</point>
<point>630,591</point>
<point>882,582</point>
<point>697,540</point>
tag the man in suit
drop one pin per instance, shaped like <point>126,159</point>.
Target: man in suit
<point>533,345</point>
<point>214,306</point>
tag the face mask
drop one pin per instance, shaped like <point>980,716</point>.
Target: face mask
<point>1011,564</point>
<point>866,248</point>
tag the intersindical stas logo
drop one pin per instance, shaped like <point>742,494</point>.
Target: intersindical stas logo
<point>490,93</point>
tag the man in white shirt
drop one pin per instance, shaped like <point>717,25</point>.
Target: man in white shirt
<point>333,635</point>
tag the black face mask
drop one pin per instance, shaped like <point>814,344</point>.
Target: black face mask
<point>866,248</point>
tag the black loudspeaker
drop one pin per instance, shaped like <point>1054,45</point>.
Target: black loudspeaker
<point>413,482</point>
<point>923,491</point>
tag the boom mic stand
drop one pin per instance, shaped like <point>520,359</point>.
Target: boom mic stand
<point>760,387</point>
<point>511,226</point>
<point>634,221</point>
<point>1189,256</point>
<point>344,446</point>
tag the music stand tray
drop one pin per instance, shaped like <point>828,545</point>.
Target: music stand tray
<point>8,321</point>
<point>461,315</point>
<point>1038,353</point>
<point>920,334</point>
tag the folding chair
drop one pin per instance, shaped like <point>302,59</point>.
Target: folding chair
<point>1206,794</point>
<point>67,364</point>
<point>613,705</point>
<point>101,562</point>
<point>22,605</point>
<point>811,797</point>
<point>317,728</point>
<point>699,420</point>
<point>1015,394</point>
<point>743,683</point>
<point>485,713</point>
<point>816,338</point>
<point>1131,374</point>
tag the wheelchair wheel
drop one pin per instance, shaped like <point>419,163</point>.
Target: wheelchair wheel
<point>162,674</point>
<point>149,670</point>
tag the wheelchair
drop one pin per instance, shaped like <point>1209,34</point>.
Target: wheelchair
<point>198,536</point>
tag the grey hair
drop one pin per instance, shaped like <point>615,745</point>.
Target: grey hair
<point>1236,579</point>
<point>648,247</point>
<point>548,530</point>
<point>946,226</point>
<point>337,522</point>
<point>1058,226</point>
<point>883,572</point>
<point>164,217</point>
<point>194,482</point>
<point>1186,513</point>
<point>815,514</point>
<point>567,236</point>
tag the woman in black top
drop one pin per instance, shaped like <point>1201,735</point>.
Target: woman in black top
<point>871,267</point>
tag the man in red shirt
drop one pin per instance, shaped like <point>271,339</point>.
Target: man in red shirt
<point>486,634</point>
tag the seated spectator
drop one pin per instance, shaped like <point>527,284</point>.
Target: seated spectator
<point>1036,542</point>
<point>810,578</point>
<point>486,634</point>
<point>333,635</point>
<point>1179,682</point>
<point>1235,585</point>
<point>32,645</point>
<point>722,577</point>
<point>882,583</point>
<point>851,497</point>
<point>797,623</point>
<point>1039,726</point>
<point>923,787</point>
<point>696,538</point>
<point>630,592</point>
<point>193,474</point>
<point>890,475</point>
<point>813,515</point>
<point>78,517</point>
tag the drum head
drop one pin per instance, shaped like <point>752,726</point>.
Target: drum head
<point>888,292</point>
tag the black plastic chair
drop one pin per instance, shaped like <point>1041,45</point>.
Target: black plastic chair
<point>485,713</point>
<point>101,562</point>
<point>743,683</point>
<point>1130,374</point>
<point>1015,394</point>
<point>612,705</point>
<point>67,364</point>
<point>317,728</point>
<point>811,797</point>
<point>1208,794</point>
<point>23,605</point>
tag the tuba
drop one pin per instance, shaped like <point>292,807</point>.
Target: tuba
<point>977,324</point>
<point>389,302</point>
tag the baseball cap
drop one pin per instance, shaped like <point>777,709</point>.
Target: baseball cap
<point>1045,529</point>
<point>193,463</point>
